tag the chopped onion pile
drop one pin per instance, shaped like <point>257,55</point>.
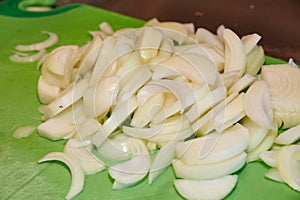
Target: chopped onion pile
<point>193,99</point>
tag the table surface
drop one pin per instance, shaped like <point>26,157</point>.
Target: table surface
<point>277,21</point>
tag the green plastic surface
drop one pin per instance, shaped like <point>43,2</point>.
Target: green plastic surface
<point>21,176</point>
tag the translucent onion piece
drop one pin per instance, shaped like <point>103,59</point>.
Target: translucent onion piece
<point>23,131</point>
<point>75,167</point>
<point>53,39</point>
<point>217,188</point>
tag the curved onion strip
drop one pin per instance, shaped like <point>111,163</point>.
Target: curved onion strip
<point>235,55</point>
<point>289,136</point>
<point>53,39</point>
<point>29,58</point>
<point>217,188</point>
<point>202,172</point>
<point>258,105</point>
<point>214,147</point>
<point>75,167</point>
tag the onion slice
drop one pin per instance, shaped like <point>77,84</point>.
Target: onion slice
<point>75,167</point>
<point>53,39</point>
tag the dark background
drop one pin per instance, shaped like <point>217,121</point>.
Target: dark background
<point>277,21</point>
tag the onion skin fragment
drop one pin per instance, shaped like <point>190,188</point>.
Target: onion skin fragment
<point>75,167</point>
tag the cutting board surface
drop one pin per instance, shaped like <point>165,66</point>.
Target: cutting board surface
<point>20,175</point>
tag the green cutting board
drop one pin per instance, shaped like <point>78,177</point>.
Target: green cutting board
<point>21,177</point>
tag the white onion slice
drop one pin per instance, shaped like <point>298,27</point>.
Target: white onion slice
<point>53,39</point>
<point>211,171</point>
<point>215,189</point>
<point>75,167</point>
<point>16,57</point>
<point>289,136</point>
